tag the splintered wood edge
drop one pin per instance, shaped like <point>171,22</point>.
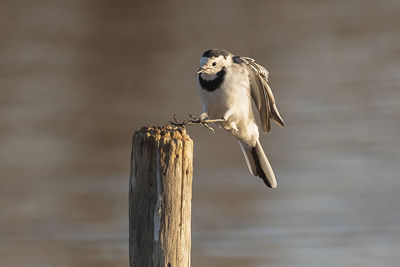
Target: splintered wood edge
<point>163,132</point>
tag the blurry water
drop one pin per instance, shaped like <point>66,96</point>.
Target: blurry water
<point>78,77</point>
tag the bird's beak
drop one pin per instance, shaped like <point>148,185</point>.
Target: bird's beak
<point>204,69</point>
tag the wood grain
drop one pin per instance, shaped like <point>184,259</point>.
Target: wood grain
<point>160,195</point>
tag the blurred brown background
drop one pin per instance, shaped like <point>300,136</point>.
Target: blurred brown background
<point>78,77</point>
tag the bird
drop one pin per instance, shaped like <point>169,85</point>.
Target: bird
<point>228,84</point>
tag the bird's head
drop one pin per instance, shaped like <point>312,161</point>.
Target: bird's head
<point>213,61</point>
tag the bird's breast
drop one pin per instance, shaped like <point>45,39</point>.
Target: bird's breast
<point>232,93</point>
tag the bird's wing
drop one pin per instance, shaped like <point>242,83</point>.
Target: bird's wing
<point>262,94</point>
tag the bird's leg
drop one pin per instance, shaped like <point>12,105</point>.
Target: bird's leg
<point>197,120</point>
<point>203,115</point>
<point>227,115</point>
<point>212,120</point>
<point>194,120</point>
<point>204,119</point>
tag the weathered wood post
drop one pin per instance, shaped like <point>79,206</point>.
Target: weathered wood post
<point>160,195</point>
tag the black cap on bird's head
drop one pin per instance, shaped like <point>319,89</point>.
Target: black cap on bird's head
<point>214,62</point>
<point>216,53</point>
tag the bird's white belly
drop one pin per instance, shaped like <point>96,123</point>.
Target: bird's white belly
<point>215,103</point>
<point>232,98</point>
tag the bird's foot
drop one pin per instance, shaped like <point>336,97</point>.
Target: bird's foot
<point>176,122</point>
<point>195,120</point>
<point>203,121</point>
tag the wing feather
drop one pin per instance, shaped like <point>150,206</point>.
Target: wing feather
<point>262,94</point>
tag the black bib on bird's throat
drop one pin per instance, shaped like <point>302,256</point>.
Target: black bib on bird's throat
<point>212,85</point>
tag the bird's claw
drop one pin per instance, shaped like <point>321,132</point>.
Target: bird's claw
<point>193,120</point>
<point>199,120</point>
<point>196,119</point>
<point>177,123</point>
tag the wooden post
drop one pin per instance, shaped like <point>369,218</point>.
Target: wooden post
<point>160,196</point>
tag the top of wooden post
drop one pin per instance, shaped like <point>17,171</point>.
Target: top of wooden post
<point>163,132</point>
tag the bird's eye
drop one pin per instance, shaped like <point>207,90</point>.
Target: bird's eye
<point>214,63</point>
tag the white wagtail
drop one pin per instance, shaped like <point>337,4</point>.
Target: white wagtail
<point>226,85</point>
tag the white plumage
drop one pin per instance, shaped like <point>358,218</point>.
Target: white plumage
<point>227,85</point>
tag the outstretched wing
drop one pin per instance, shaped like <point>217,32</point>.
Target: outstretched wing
<point>262,94</point>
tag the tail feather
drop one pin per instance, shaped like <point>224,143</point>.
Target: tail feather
<point>251,164</point>
<point>258,163</point>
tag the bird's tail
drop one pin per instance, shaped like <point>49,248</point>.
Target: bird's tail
<point>258,163</point>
